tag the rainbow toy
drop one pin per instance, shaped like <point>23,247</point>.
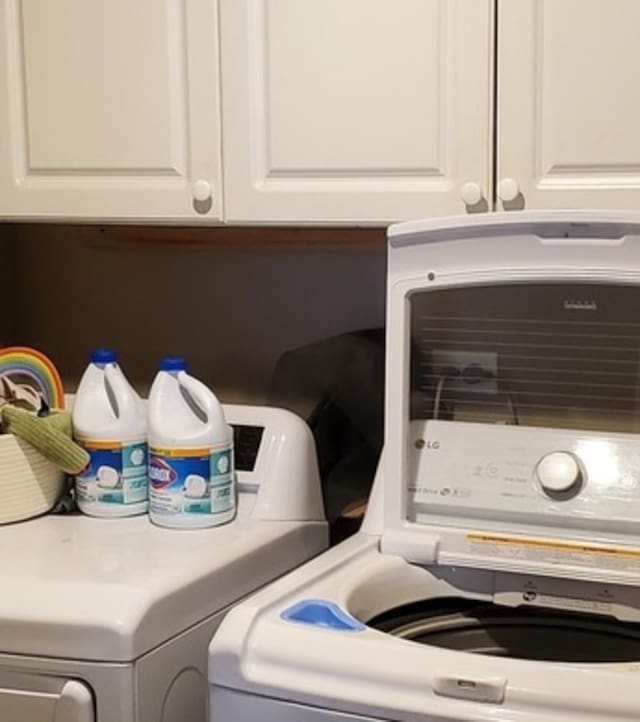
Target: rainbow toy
<point>21,363</point>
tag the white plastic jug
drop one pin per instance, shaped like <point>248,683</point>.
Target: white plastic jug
<point>109,422</point>
<point>191,474</point>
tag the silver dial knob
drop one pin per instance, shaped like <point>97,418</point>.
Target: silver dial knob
<point>558,472</point>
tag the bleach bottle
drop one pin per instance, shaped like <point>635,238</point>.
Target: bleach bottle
<point>109,422</point>
<point>191,474</point>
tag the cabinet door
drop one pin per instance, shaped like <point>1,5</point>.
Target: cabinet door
<point>355,110</point>
<point>568,104</point>
<point>109,110</point>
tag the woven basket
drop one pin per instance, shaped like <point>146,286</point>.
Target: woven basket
<point>29,484</point>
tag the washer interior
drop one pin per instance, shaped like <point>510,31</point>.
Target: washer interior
<point>531,633</point>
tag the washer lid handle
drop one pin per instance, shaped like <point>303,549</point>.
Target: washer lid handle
<point>489,689</point>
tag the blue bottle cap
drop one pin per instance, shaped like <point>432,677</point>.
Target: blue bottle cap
<point>173,363</point>
<point>104,356</point>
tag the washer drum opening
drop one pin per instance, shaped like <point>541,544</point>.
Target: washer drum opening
<point>530,633</point>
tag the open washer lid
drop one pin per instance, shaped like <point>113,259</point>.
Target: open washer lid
<point>513,394</point>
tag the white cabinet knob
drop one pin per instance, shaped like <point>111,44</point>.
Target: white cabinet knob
<point>558,472</point>
<point>201,190</point>
<point>471,193</point>
<point>508,189</point>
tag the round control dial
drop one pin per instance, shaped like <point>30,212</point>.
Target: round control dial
<point>559,472</point>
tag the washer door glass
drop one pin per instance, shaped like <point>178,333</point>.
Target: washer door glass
<point>548,354</point>
<point>522,632</point>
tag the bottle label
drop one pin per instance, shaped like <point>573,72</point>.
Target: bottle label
<point>117,473</point>
<point>191,481</point>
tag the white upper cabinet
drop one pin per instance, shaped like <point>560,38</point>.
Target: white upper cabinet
<point>568,104</point>
<point>109,110</point>
<point>355,110</point>
<point>333,111</point>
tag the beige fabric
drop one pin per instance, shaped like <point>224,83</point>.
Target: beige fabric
<point>20,395</point>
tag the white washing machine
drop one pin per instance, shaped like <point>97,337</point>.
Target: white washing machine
<point>109,620</point>
<point>496,576</point>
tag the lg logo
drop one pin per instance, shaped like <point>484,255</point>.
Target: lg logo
<point>421,444</point>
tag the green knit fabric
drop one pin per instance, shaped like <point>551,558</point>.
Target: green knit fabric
<point>50,435</point>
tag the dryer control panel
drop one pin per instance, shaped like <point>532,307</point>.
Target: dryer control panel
<point>552,477</point>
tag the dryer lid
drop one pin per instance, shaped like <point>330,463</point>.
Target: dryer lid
<point>113,589</point>
<point>76,587</point>
<point>513,394</point>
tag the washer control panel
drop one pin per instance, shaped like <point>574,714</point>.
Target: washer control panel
<point>549,477</point>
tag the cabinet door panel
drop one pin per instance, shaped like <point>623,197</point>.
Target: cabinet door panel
<point>354,110</point>
<point>75,95</point>
<point>568,101</point>
<point>111,107</point>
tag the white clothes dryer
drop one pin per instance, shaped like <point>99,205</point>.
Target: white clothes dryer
<point>496,575</point>
<point>109,620</point>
